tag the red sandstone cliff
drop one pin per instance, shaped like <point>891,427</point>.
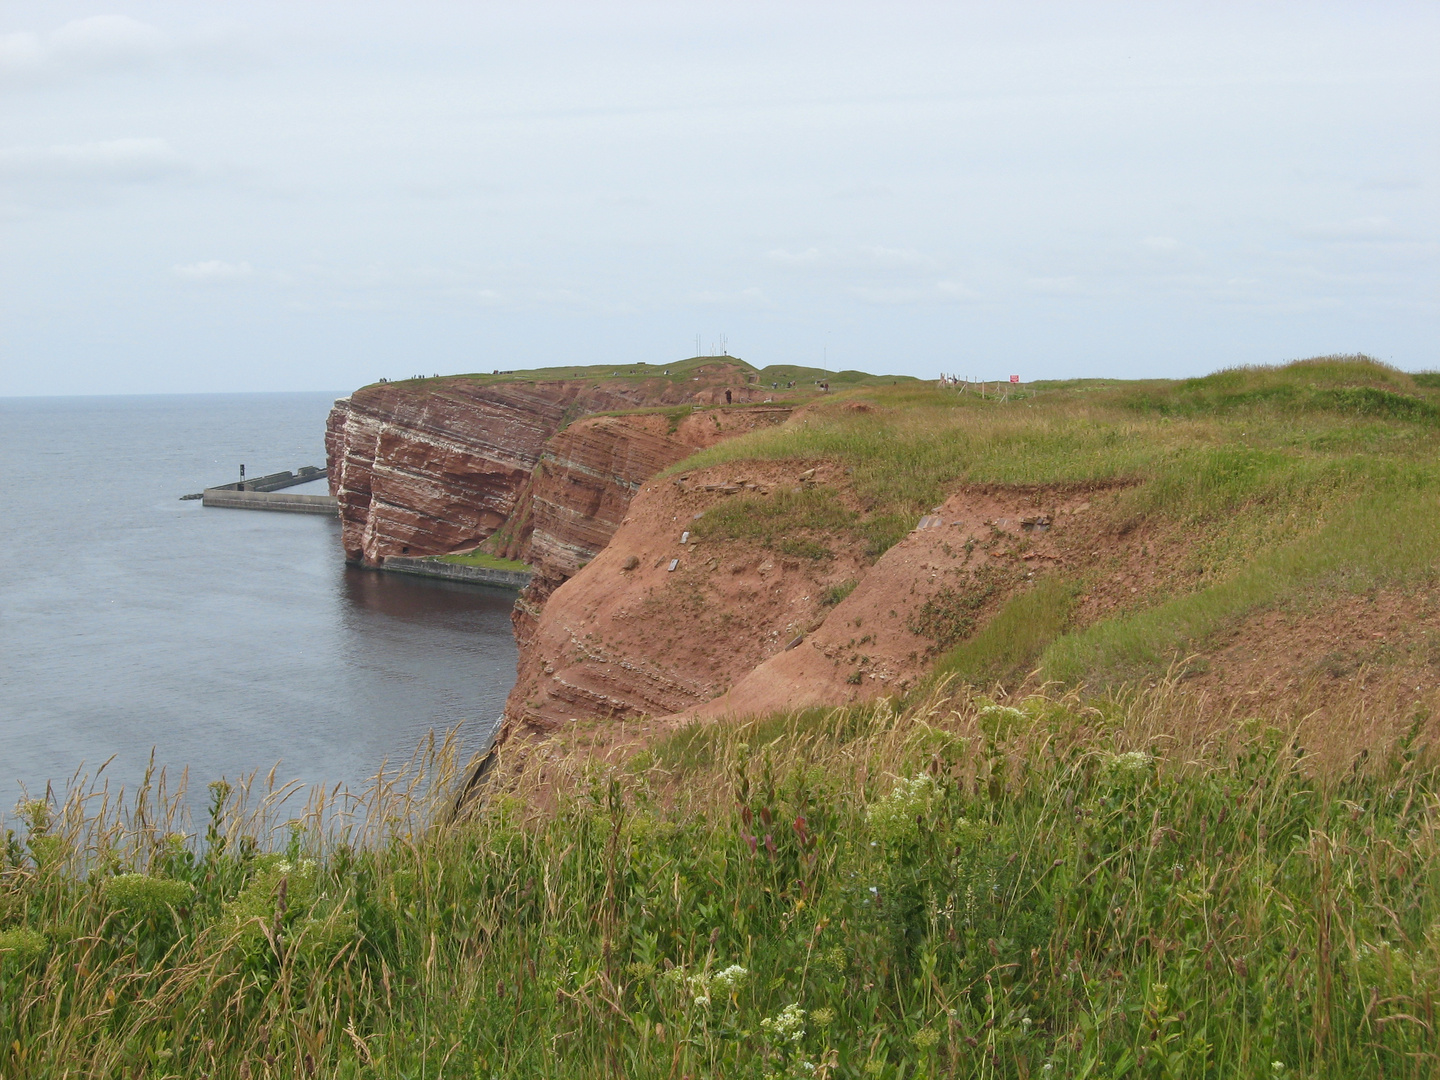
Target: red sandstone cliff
<point>586,477</point>
<point>607,628</point>
<point>738,628</point>
<point>437,465</point>
<point>627,636</point>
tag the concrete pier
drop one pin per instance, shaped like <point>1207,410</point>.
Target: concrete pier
<point>474,575</point>
<point>275,481</point>
<point>263,493</point>
<point>271,500</point>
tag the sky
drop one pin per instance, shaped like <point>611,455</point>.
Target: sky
<point>312,195</point>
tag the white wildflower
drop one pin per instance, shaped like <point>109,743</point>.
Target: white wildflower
<point>998,721</point>
<point>1131,763</point>
<point>788,1025</point>
<point>893,819</point>
<point>730,980</point>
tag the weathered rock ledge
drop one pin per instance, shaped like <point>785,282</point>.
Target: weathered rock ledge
<point>434,466</point>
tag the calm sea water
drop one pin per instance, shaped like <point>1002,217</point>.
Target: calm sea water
<point>226,640</point>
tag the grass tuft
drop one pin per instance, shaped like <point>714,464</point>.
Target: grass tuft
<point>1009,646</point>
<point>485,560</point>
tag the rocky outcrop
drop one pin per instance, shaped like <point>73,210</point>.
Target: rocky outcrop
<point>629,635</point>
<point>659,627</point>
<point>432,466</point>
<point>586,477</point>
<point>589,472</point>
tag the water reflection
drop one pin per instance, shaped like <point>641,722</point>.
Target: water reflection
<point>410,598</point>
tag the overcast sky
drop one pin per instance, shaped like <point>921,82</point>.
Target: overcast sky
<point>311,195</point>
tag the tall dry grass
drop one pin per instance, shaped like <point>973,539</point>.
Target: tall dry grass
<point>1125,885</point>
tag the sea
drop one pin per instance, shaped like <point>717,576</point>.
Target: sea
<point>136,627</point>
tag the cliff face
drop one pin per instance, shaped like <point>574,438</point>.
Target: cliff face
<point>586,478</point>
<point>428,472</point>
<point>736,628</point>
<point>434,466</point>
<point>590,471</point>
<point>628,636</point>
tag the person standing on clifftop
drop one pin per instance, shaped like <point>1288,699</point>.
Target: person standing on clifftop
<point>727,397</point>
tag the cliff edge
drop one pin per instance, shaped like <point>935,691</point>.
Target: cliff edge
<point>434,466</point>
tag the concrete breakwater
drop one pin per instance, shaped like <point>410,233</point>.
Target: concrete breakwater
<point>474,575</point>
<point>270,500</point>
<point>262,493</point>
<point>275,481</point>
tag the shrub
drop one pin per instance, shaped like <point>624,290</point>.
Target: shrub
<point>20,945</point>
<point>143,897</point>
<point>950,613</point>
<point>896,819</point>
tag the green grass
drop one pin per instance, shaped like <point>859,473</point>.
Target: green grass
<point>1385,539</point>
<point>963,890</point>
<point>1009,646</point>
<point>805,378</point>
<point>672,372</point>
<point>1274,476</point>
<point>775,518</point>
<point>681,370</point>
<point>488,562</point>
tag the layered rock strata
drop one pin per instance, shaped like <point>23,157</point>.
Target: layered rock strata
<point>434,466</point>
<point>586,477</point>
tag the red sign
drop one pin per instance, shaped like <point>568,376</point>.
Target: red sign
<point>1014,378</point>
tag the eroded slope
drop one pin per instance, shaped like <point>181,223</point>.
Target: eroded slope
<point>663,622</point>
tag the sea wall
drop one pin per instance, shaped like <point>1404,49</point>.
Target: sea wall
<point>270,500</point>
<point>472,575</point>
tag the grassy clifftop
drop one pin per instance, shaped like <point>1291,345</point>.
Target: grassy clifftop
<point>680,371</point>
<point>1259,487</point>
